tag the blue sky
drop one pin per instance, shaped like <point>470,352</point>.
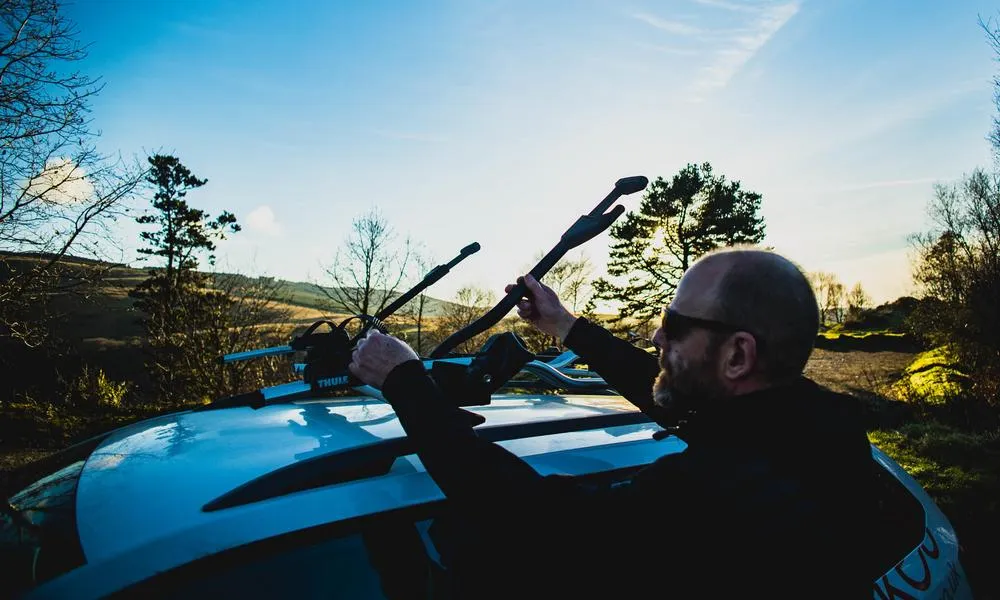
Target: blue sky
<point>503,121</point>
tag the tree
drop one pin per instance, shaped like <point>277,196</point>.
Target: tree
<point>958,270</point>
<point>57,193</point>
<point>677,221</point>
<point>571,279</point>
<point>247,315</point>
<point>176,300</point>
<point>469,304</point>
<point>829,295</point>
<point>414,312</point>
<point>857,301</point>
<point>368,268</point>
<point>992,30</point>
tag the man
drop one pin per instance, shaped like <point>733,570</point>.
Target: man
<point>772,496</point>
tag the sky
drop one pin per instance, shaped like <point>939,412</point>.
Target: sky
<point>501,122</point>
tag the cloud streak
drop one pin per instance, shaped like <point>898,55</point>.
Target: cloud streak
<point>740,48</point>
<point>730,47</point>
<point>671,27</point>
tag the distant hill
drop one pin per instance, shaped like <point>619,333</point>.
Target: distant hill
<point>296,293</point>
<point>104,326</point>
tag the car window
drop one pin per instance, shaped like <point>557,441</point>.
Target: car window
<point>380,557</point>
<point>38,534</point>
<point>900,523</point>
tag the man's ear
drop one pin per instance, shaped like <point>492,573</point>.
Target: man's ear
<point>741,356</point>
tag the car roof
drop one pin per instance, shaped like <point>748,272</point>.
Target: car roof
<point>153,479</point>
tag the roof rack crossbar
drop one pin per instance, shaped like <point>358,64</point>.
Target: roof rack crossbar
<point>376,458</point>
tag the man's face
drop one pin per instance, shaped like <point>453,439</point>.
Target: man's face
<point>688,371</point>
<point>690,354</point>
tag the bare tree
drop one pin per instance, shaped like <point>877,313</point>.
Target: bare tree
<point>469,304</point>
<point>992,30</point>
<point>414,313</point>
<point>57,194</point>
<point>571,279</point>
<point>830,296</point>
<point>857,301</point>
<point>254,316</point>
<point>368,268</point>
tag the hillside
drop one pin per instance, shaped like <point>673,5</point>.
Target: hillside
<point>295,293</point>
<point>104,326</point>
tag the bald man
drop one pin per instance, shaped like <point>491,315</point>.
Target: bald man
<point>772,497</point>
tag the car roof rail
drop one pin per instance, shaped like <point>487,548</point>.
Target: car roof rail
<point>371,460</point>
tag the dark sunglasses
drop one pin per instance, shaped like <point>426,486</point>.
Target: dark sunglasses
<point>676,326</point>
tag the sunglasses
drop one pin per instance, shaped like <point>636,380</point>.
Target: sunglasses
<point>676,326</point>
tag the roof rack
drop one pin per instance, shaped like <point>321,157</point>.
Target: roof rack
<point>472,381</point>
<point>375,459</point>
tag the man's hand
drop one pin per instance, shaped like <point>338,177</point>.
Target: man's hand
<point>376,355</point>
<point>543,309</point>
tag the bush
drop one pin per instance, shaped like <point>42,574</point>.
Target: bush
<point>94,389</point>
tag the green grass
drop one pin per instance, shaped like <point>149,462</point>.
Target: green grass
<point>932,378</point>
<point>836,334</point>
<point>959,470</point>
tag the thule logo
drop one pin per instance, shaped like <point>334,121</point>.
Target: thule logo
<point>331,381</point>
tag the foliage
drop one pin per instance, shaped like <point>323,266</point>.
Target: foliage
<point>184,319</point>
<point>570,279</point>
<point>992,30</point>
<point>829,295</point>
<point>958,271</point>
<point>183,230</point>
<point>93,388</point>
<point>677,221</point>
<point>469,304</point>
<point>857,301</point>
<point>890,316</point>
<point>57,193</point>
<point>368,268</point>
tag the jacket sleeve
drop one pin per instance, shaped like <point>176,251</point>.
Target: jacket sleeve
<point>467,468</point>
<point>629,370</point>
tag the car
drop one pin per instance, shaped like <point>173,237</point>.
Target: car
<point>323,496</point>
<point>311,488</point>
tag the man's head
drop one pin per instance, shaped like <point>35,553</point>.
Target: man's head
<point>742,319</point>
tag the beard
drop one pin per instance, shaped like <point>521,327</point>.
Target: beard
<point>679,388</point>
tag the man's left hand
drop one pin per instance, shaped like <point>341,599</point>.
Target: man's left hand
<point>376,355</point>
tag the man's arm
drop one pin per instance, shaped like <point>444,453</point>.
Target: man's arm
<point>467,468</point>
<point>629,370</point>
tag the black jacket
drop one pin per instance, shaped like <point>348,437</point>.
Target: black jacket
<point>772,498</point>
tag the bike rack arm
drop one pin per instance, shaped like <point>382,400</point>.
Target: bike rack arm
<point>585,228</point>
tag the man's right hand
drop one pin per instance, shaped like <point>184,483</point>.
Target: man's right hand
<point>542,308</point>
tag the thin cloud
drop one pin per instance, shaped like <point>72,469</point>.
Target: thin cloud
<point>672,27</point>
<point>729,5</point>
<point>410,136</point>
<point>743,46</point>
<point>668,49</point>
<point>892,183</point>
<point>262,220</point>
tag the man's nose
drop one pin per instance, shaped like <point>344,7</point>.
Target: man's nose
<point>657,339</point>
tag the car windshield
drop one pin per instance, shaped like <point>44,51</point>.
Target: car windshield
<point>38,533</point>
